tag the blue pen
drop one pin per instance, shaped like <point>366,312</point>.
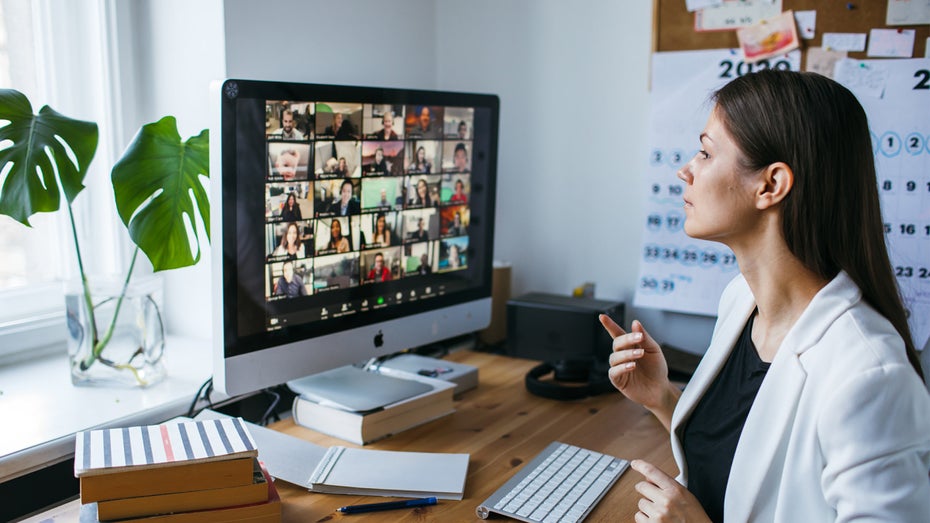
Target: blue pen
<point>387,505</point>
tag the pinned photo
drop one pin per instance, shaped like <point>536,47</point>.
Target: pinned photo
<point>770,37</point>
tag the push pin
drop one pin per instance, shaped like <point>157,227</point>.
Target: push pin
<point>850,6</point>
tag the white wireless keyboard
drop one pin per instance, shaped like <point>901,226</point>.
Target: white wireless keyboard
<point>562,483</point>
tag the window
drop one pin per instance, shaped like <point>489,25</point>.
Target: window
<point>56,53</point>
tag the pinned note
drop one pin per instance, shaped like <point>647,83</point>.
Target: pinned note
<point>823,61</point>
<point>908,12</point>
<point>694,5</point>
<point>807,24</point>
<point>844,41</point>
<point>733,14</point>
<point>891,43</point>
<point>862,78</point>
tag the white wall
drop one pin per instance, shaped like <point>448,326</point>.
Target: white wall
<point>573,81</point>
<point>353,42</point>
<point>172,50</point>
<point>573,86</point>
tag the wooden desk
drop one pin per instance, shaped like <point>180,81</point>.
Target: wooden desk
<point>502,426</point>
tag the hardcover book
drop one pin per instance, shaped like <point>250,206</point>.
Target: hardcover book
<point>367,426</point>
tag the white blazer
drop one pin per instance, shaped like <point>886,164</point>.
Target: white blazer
<point>840,428</point>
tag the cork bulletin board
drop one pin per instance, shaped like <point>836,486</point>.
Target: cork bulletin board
<point>673,25</point>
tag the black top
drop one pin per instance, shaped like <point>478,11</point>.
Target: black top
<point>712,432</point>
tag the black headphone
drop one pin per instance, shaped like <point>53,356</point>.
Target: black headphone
<point>571,380</point>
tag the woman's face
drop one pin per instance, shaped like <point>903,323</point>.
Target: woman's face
<point>346,192</point>
<point>335,230</point>
<point>460,159</point>
<point>342,164</point>
<point>292,234</point>
<point>459,187</point>
<point>291,200</point>
<point>421,155</point>
<point>421,189</point>
<point>379,155</point>
<point>454,256</point>
<point>719,194</point>
<point>381,223</point>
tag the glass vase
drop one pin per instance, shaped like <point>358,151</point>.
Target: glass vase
<point>127,352</point>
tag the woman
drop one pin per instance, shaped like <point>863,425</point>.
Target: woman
<point>382,235</point>
<point>809,403</point>
<point>290,243</point>
<point>456,228</point>
<point>422,197</point>
<point>420,164</point>
<point>387,129</point>
<point>337,242</point>
<point>380,166</point>
<point>291,211</point>
<point>342,167</point>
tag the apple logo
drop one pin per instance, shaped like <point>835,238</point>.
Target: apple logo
<point>379,339</point>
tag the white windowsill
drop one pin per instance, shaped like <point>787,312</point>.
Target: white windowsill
<point>41,410</point>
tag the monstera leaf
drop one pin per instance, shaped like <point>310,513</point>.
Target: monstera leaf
<point>40,152</point>
<point>157,183</point>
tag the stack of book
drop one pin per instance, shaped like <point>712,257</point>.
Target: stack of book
<point>363,427</point>
<point>187,471</point>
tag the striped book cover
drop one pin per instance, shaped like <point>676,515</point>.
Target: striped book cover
<point>112,450</point>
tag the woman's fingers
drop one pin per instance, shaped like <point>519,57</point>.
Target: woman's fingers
<point>611,326</point>
<point>647,341</point>
<point>625,356</point>
<point>654,474</point>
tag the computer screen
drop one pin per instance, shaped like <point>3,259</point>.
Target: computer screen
<point>348,222</point>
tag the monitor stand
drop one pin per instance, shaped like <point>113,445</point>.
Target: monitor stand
<point>355,389</point>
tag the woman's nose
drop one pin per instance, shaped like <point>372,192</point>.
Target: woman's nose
<point>684,174</point>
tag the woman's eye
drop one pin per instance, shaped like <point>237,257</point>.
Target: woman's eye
<point>704,154</point>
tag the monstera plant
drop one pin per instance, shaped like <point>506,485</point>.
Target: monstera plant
<point>157,185</point>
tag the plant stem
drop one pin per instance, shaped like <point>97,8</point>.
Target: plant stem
<point>100,344</point>
<point>88,302</point>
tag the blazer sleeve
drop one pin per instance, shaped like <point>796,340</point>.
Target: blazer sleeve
<point>875,435</point>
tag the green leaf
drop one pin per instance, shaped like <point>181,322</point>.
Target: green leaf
<point>40,146</point>
<point>157,184</point>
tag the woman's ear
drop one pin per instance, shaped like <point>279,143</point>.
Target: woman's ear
<point>776,182</point>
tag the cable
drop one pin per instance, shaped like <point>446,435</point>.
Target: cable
<point>263,421</point>
<point>205,390</point>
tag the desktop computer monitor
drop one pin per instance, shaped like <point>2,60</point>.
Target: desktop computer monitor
<point>348,223</point>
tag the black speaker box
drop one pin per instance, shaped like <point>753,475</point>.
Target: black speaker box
<point>564,332</point>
